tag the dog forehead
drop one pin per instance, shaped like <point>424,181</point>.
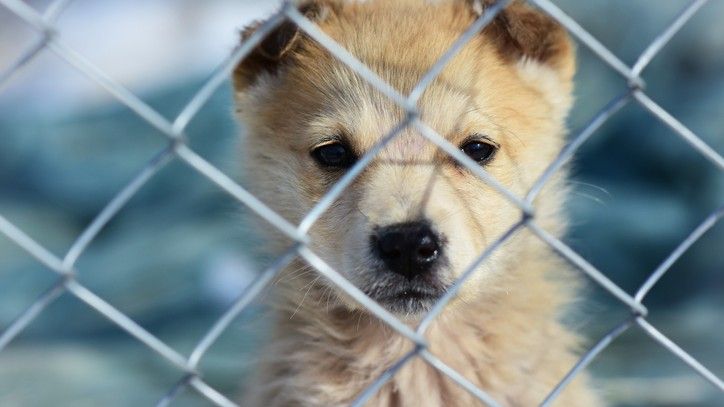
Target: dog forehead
<point>366,128</point>
<point>408,146</point>
<point>370,120</point>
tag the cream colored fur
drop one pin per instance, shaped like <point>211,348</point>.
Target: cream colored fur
<point>503,331</point>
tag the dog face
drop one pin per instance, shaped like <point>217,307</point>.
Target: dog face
<point>415,219</point>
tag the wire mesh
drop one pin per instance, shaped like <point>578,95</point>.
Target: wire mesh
<point>178,149</point>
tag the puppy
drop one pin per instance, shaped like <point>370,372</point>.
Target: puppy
<point>414,219</point>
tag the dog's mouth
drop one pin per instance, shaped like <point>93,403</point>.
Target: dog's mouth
<point>411,301</point>
<point>408,299</point>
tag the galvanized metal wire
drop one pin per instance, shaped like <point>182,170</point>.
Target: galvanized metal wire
<point>178,149</point>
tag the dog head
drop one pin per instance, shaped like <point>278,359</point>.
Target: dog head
<point>414,219</point>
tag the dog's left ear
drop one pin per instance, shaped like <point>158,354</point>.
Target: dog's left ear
<point>277,48</point>
<point>522,32</point>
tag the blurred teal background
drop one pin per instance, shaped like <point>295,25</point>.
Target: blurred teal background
<point>179,253</point>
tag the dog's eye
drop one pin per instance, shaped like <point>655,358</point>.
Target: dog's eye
<point>333,154</point>
<point>480,151</point>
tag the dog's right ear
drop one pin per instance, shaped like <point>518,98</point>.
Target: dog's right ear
<point>276,48</point>
<point>520,31</point>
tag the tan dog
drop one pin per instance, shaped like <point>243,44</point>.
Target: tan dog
<point>412,222</point>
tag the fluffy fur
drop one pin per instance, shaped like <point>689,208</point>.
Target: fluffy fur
<point>511,83</point>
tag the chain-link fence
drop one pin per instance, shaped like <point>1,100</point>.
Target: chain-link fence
<point>178,149</point>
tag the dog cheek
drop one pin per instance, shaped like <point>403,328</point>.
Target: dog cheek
<point>357,249</point>
<point>470,230</point>
<point>341,239</point>
<point>279,174</point>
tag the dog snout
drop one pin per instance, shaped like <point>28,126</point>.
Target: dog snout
<point>409,249</point>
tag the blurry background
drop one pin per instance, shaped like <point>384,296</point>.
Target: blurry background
<point>178,254</point>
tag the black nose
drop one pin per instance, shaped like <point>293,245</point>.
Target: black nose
<point>410,248</point>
